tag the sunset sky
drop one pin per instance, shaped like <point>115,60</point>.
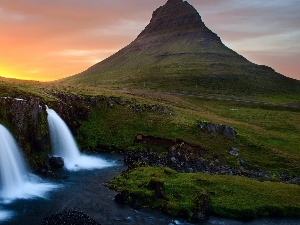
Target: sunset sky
<point>47,40</point>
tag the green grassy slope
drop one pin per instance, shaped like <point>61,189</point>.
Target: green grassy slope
<point>236,197</point>
<point>267,139</point>
<point>189,68</point>
<point>268,135</point>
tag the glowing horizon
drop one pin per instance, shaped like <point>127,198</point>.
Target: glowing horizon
<point>50,40</point>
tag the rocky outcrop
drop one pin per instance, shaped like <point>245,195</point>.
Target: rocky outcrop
<point>180,18</point>
<point>25,118</point>
<point>226,130</point>
<point>188,158</point>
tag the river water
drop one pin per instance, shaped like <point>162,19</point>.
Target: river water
<point>86,191</point>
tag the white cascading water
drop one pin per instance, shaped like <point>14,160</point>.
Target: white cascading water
<point>15,180</point>
<point>64,145</point>
<point>12,167</point>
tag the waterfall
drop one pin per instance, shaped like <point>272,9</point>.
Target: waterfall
<point>62,141</point>
<point>15,180</point>
<point>12,166</point>
<point>64,145</point>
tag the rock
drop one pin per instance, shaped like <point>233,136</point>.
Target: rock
<point>234,151</point>
<point>242,162</point>
<point>226,130</point>
<point>212,128</point>
<point>173,159</point>
<point>139,137</point>
<point>187,158</point>
<point>120,198</point>
<point>109,102</point>
<point>178,17</point>
<point>56,162</point>
<point>69,217</point>
<point>229,132</point>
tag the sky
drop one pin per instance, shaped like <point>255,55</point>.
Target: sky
<point>48,40</point>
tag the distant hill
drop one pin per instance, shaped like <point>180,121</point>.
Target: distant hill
<point>176,52</point>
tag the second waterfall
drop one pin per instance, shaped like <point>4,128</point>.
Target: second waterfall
<point>64,145</point>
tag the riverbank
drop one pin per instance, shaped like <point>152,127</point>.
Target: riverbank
<point>87,193</point>
<point>196,196</point>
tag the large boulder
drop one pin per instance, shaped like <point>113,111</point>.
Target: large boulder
<point>226,130</point>
<point>56,162</point>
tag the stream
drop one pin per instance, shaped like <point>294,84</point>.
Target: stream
<point>85,190</point>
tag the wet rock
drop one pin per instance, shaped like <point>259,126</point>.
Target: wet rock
<point>56,162</point>
<point>120,198</point>
<point>69,217</point>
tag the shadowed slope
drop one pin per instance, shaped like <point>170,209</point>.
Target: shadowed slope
<point>177,52</point>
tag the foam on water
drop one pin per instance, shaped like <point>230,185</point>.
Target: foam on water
<point>85,162</point>
<point>31,188</point>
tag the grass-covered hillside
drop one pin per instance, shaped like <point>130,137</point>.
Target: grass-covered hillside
<point>186,194</point>
<point>203,130</point>
<point>107,120</point>
<point>267,135</point>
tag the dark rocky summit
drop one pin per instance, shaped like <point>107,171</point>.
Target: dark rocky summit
<point>178,18</point>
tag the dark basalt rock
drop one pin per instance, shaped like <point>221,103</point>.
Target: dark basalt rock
<point>56,162</point>
<point>120,198</point>
<point>184,157</point>
<point>69,217</point>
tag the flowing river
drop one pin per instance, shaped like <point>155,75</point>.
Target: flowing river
<point>85,190</point>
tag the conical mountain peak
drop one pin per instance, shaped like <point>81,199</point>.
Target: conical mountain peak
<point>174,16</point>
<point>174,1</point>
<point>176,52</point>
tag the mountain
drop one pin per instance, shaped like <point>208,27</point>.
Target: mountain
<point>177,52</point>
